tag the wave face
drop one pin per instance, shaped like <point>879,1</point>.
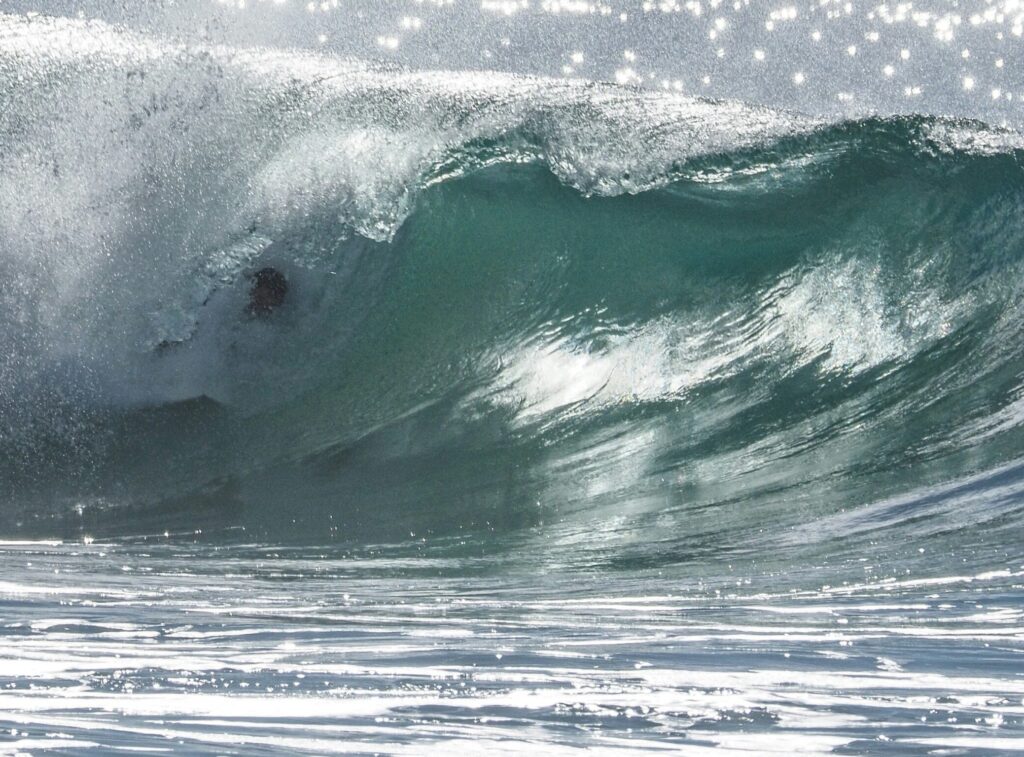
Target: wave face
<point>516,306</point>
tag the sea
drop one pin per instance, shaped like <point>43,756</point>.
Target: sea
<point>604,413</point>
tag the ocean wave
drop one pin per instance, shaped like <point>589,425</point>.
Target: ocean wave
<point>513,301</point>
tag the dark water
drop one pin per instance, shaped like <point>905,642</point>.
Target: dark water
<point>593,417</point>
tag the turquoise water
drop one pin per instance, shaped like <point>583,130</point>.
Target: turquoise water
<point>594,417</point>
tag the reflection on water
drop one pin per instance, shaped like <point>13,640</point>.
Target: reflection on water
<point>226,650</point>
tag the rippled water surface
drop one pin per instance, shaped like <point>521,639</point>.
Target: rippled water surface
<point>239,649</point>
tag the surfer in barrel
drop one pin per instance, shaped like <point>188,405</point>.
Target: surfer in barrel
<point>269,288</point>
<point>267,293</point>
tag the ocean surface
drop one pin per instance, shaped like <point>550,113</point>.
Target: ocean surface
<point>596,417</point>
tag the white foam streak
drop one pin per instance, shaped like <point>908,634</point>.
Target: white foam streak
<point>420,663</point>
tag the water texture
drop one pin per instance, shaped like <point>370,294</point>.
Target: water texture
<point>594,417</point>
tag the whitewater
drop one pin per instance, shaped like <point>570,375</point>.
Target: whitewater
<point>597,416</point>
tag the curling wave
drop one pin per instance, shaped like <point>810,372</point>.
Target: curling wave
<point>515,305</point>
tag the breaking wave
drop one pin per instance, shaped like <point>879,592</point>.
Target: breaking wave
<point>515,305</point>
